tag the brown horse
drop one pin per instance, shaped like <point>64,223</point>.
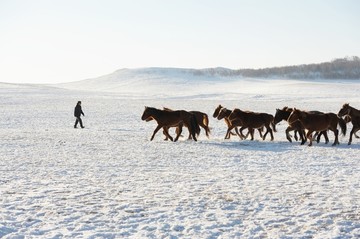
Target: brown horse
<point>227,121</point>
<point>318,122</point>
<point>225,113</point>
<point>166,119</point>
<point>354,117</point>
<point>253,121</point>
<point>283,114</point>
<point>201,118</point>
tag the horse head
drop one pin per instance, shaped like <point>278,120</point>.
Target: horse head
<point>147,114</point>
<point>278,116</point>
<point>217,110</point>
<point>344,110</point>
<point>294,116</point>
<point>282,114</point>
<point>222,114</point>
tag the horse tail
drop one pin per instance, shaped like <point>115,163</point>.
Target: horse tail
<point>342,124</point>
<point>206,124</point>
<point>194,127</point>
<point>273,125</point>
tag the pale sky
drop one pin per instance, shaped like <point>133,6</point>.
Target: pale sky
<point>52,41</point>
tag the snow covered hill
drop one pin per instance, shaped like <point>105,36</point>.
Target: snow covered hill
<point>209,83</point>
<point>151,81</point>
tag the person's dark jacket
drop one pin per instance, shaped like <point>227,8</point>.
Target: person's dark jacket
<point>78,111</point>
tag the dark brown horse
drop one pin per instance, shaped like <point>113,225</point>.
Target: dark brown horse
<point>354,117</point>
<point>166,119</point>
<point>225,113</point>
<point>201,118</point>
<point>283,114</point>
<point>227,121</point>
<point>318,122</point>
<point>253,121</point>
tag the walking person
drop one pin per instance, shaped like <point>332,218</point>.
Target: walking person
<point>77,113</point>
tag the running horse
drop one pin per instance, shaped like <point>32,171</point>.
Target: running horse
<point>354,117</point>
<point>166,119</point>
<point>253,120</point>
<point>225,115</point>
<point>296,126</point>
<point>283,114</point>
<point>318,122</point>
<point>201,118</point>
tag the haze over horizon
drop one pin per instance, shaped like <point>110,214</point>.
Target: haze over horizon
<point>65,41</point>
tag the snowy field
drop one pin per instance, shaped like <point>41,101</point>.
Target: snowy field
<point>110,181</point>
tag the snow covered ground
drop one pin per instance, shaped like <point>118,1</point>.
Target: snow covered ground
<point>110,181</point>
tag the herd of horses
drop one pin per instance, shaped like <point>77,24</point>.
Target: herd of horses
<point>307,125</point>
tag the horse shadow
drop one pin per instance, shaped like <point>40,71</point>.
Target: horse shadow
<point>273,146</point>
<point>255,145</point>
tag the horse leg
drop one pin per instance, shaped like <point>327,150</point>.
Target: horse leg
<point>228,132</point>
<point>189,135</point>
<point>309,137</point>
<point>247,134</point>
<point>295,135</point>
<point>318,136</point>
<point>268,129</point>
<point>336,141</point>
<point>155,131</point>
<point>325,136</point>
<point>251,131</point>
<point>288,136</point>
<point>178,133</point>
<point>206,128</point>
<point>237,132</point>
<point>242,135</point>
<point>351,134</point>
<point>260,131</point>
<point>302,136</point>
<point>271,134</point>
<point>166,133</point>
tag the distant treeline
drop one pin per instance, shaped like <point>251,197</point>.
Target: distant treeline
<point>343,68</point>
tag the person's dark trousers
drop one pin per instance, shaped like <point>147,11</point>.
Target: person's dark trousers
<point>78,120</point>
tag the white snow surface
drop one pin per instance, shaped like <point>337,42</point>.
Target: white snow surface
<point>110,181</point>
